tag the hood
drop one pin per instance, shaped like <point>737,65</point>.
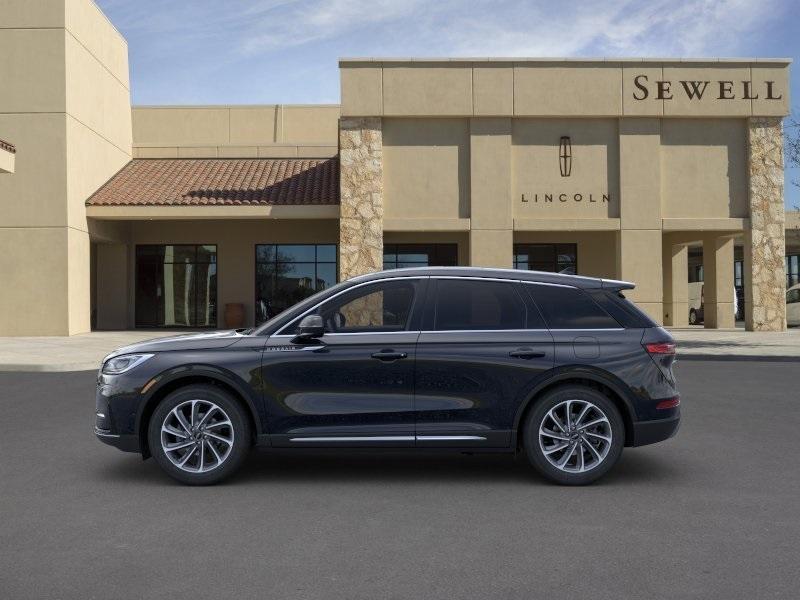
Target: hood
<point>189,341</point>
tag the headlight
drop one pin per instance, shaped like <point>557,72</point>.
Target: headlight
<point>125,362</point>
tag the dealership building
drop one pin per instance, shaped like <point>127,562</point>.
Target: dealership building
<point>117,217</point>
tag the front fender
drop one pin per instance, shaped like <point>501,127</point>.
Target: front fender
<point>194,372</point>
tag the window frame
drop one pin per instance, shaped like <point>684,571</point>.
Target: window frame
<point>520,245</point>
<point>316,264</point>
<point>195,246</point>
<point>435,250</point>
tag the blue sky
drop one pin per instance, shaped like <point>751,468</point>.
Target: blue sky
<point>286,51</point>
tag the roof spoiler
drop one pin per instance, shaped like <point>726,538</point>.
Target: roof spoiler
<point>614,284</point>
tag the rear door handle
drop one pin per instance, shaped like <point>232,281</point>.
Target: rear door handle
<point>389,355</point>
<point>526,353</point>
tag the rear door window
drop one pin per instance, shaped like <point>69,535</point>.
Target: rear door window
<point>468,304</point>
<point>565,307</point>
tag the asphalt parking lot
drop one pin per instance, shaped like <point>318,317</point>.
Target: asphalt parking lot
<point>712,513</point>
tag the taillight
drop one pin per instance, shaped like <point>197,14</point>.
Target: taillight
<point>668,403</point>
<point>660,347</point>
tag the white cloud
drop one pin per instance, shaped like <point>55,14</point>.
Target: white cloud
<point>508,28</point>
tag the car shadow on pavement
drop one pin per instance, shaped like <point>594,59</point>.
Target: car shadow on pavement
<point>276,466</point>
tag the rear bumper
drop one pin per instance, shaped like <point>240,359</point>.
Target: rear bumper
<point>650,432</point>
<point>126,443</point>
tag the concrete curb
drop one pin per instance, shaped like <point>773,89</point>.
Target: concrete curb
<point>739,357</point>
<point>54,368</point>
<point>94,365</point>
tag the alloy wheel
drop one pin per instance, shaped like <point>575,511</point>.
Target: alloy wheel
<point>575,436</point>
<point>197,436</point>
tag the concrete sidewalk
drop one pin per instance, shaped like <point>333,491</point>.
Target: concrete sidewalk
<point>80,352</point>
<point>728,343</point>
<point>85,351</point>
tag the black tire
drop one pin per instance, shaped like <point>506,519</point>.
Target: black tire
<point>692,317</point>
<point>239,424</point>
<point>539,412</point>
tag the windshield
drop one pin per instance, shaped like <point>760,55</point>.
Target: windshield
<point>296,308</point>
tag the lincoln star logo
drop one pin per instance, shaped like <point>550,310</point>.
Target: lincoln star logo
<point>565,156</point>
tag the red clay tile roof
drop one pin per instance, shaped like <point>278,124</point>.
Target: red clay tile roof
<point>221,181</point>
<point>7,146</point>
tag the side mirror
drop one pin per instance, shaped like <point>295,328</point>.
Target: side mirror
<point>310,328</point>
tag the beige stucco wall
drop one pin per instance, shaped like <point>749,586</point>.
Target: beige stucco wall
<point>704,168</point>
<point>266,131</point>
<point>65,102</point>
<point>404,87</point>
<point>426,168</point>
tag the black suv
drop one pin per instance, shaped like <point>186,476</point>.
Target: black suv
<point>562,368</point>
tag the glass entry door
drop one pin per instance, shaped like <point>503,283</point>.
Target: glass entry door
<point>176,286</point>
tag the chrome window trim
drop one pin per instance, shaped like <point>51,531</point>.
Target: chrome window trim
<point>278,334</point>
<point>334,334</point>
<point>344,291</point>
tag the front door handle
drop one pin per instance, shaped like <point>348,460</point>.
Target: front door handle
<point>389,355</point>
<point>526,353</point>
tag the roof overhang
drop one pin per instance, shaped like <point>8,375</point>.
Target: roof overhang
<point>166,213</point>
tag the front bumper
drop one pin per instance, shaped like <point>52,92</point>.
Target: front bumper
<point>650,432</point>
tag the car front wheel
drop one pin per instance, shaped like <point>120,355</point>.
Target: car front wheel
<point>199,435</point>
<point>574,435</point>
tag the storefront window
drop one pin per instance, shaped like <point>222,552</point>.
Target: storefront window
<point>792,270</point>
<point>553,258</point>
<point>288,273</point>
<point>176,286</point>
<point>399,256</point>
<point>738,281</point>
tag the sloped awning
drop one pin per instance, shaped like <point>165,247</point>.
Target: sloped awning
<point>222,182</point>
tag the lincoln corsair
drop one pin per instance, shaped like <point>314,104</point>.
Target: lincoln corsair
<point>560,368</point>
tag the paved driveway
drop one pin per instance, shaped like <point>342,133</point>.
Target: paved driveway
<point>712,513</point>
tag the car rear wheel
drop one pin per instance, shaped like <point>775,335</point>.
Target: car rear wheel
<point>199,435</point>
<point>574,435</point>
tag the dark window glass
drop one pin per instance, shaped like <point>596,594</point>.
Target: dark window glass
<point>569,308</point>
<point>289,273</point>
<point>399,256</point>
<point>469,304</point>
<point>552,258</point>
<point>625,312</point>
<point>176,286</point>
<point>375,308</point>
<point>792,270</point>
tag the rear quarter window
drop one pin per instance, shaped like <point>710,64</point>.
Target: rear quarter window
<point>566,307</point>
<point>623,310</point>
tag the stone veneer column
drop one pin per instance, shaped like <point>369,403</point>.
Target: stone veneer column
<point>361,196</point>
<point>765,245</point>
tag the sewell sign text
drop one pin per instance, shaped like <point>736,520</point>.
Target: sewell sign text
<point>697,90</point>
